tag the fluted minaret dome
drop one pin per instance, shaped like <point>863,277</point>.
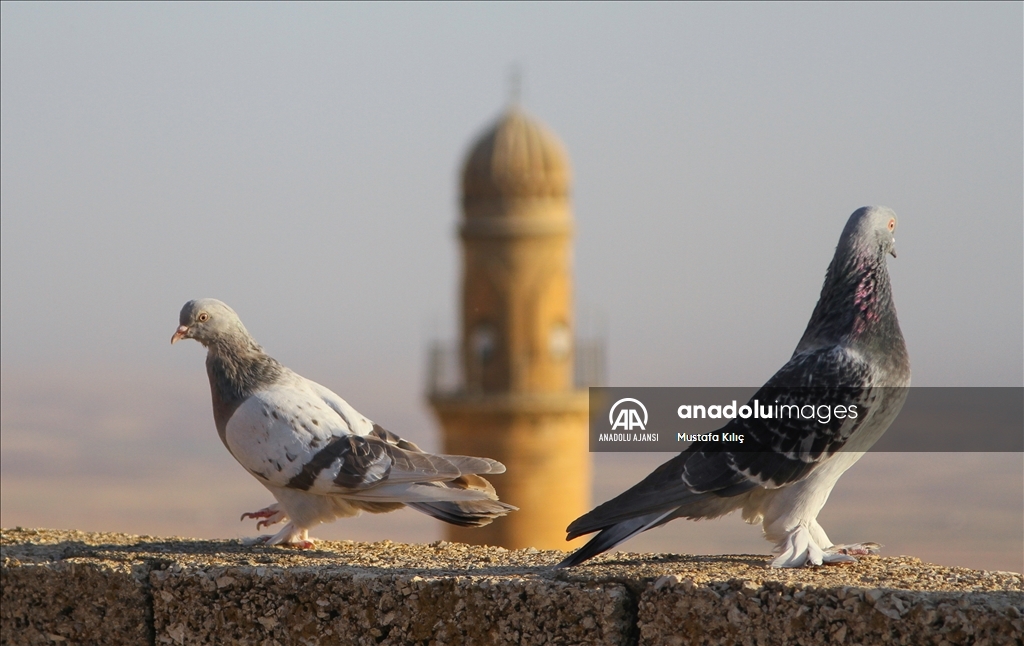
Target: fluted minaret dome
<point>516,158</point>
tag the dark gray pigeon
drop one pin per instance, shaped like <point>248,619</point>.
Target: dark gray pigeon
<point>317,455</point>
<point>852,350</point>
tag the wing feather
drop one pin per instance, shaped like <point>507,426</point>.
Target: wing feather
<point>299,435</point>
<point>776,452</point>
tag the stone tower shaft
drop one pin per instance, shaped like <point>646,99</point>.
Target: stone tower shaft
<point>517,402</point>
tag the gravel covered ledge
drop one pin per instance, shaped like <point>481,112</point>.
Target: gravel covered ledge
<point>64,587</point>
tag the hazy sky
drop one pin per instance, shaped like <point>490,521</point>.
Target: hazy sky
<point>300,162</point>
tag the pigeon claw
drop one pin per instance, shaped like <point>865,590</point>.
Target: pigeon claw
<point>857,549</point>
<point>270,516</point>
<point>302,544</point>
<point>843,554</point>
<point>290,536</point>
<point>268,540</point>
<point>829,558</point>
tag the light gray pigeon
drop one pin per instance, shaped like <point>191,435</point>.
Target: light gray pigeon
<point>316,454</point>
<point>851,351</point>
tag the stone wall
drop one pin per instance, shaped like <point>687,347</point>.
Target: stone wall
<point>65,587</point>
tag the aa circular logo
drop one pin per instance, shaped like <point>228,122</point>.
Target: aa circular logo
<point>628,417</point>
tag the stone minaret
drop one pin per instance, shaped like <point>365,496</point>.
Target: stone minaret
<point>516,400</point>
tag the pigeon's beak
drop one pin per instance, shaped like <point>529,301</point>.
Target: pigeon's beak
<point>179,334</point>
<point>892,249</point>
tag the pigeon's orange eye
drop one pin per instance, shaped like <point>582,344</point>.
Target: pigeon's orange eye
<point>892,224</point>
<point>203,316</point>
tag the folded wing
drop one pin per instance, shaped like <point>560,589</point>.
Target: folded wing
<point>776,451</point>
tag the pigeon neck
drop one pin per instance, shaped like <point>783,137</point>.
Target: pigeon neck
<point>236,371</point>
<point>856,307</point>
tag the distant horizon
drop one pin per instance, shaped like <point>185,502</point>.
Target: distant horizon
<point>149,468</point>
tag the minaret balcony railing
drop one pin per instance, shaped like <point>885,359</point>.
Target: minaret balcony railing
<point>446,375</point>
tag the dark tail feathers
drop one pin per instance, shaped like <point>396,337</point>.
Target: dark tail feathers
<point>609,537</point>
<point>464,513</point>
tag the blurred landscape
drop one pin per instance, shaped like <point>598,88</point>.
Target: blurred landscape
<point>301,163</point>
<point>138,454</point>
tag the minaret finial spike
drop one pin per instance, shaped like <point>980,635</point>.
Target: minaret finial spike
<point>515,85</point>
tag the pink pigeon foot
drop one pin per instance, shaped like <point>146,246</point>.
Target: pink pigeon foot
<point>271,515</point>
<point>290,536</point>
<point>855,549</point>
<point>267,539</point>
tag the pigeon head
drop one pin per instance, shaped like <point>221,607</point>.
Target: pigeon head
<point>209,321</point>
<point>870,232</point>
<point>856,303</point>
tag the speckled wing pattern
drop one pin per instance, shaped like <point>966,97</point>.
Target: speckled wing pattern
<point>299,435</point>
<point>776,452</point>
<point>784,449</point>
